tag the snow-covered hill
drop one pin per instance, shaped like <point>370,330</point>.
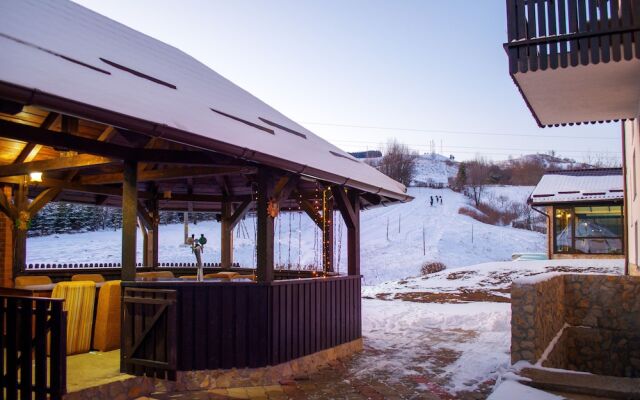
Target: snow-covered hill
<point>434,169</point>
<point>454,239</point>
<point>550,162</point>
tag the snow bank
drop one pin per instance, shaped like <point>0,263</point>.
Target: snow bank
<point>495,275</point>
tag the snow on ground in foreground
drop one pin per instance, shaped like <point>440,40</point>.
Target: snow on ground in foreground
<point>452,238</point>
<point>492,275</point>
<point>511,390</point>
<point>455,346</point>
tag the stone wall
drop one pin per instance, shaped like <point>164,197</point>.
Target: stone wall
<point>537,314</point>
<point>602,317</point>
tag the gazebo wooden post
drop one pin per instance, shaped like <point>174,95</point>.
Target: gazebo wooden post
<point>129,214</point>
<point>349,206</point>
<point>327,232</point>
<point>265,228</point>
<point>226,235</point>
<point>20,231</point>
<point>6,240</point>
<point>150,219</point>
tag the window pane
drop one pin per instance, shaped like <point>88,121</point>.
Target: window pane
<point>563,228</point>
<point>599,222</point>
<point>599,246</point>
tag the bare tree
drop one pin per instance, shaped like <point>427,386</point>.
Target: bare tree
<point>478,172</point>
<point>398,162</point>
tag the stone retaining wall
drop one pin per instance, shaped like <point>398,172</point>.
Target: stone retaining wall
<point>601,316</point>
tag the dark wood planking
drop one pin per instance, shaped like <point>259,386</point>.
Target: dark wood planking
<point>542,32</point>
<point>254,325</point>
<point>553,30</point>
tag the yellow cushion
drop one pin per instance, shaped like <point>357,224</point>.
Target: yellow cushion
<point>79,300</point>
<point>222,275</point>
<point>155,275</point>
<point>22,281</point>
<point>106,334</point>
<point>88,277</point>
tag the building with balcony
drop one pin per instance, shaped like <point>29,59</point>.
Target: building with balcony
<point>578,61</point>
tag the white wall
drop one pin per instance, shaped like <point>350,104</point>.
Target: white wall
<point>632,163</point>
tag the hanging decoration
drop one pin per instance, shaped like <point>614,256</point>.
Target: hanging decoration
<point>273,208</point>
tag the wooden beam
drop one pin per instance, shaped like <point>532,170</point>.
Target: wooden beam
<point>143,215</point>
<point>226,235</point>
<point>7,207</point>
<point>129,214</point>
<point>30,150</point>
<point>240,212</point>
<point>54,164</point>
<point>26,133</point>
<point>164,174</point>
<point>344,206</point>
<point>41,200</point>
<point>310,210</point>
<point>264,238</point>
<point>107,133</point>
<point>284,187</point>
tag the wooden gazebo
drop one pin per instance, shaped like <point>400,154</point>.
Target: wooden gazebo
<point>112,117</point>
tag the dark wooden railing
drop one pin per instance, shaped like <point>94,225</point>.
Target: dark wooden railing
<point>62,272</point>
<point>250,325</point>
<point>553,34</point>
<point>31,327</point>
<point>149,332</point>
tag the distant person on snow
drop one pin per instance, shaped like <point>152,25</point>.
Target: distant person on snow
<point>431,201</point>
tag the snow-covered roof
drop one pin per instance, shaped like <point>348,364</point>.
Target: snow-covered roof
<point>587,185</point>
<point>59,50</point>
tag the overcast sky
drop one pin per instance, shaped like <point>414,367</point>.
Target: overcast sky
<point>360,72</point>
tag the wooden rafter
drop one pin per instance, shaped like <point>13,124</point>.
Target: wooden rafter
<point>54,164</point>
<point>31,150</point>
<point>164,174</point>
<point>17,131</point>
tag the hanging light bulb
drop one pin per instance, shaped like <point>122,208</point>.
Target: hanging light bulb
<point>35,176</point>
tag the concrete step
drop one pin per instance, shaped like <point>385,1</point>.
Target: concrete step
<point>595,386</point>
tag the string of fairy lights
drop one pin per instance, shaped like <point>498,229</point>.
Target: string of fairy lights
<point>324,244</point>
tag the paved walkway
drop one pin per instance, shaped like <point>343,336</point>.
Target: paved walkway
<point>336,381</point>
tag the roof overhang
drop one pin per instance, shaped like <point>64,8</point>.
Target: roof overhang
<point>67,106</point>
<point>591,93</point>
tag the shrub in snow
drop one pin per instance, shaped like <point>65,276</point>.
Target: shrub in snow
<point>432,267</point>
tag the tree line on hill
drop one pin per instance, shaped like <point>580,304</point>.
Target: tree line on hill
<point>61,217</point>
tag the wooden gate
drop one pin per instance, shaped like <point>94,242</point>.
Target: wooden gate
<point>30,325</point>
<point>149,332</point>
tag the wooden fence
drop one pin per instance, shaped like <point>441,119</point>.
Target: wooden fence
<point>30,326</point>
<point>553,34</point>
<point>250,325</point>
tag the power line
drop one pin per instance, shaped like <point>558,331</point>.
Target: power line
<point>483,148</point>
<point>455,132</point>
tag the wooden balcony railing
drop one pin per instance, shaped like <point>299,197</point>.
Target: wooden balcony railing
<point>551,34</point>
<point>31,327</point>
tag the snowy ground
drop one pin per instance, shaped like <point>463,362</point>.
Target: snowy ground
<point>444,348</point>
<point>436,330</point>
<point>454,239</point>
